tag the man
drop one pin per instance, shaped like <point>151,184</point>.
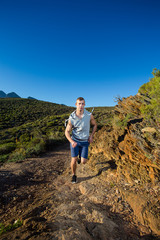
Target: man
<point>79,122</point>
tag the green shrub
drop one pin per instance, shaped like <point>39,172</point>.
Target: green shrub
<point>17,155</point>
<point>152,90</point>
<point>24,137</point>
<point>10,227</point>
<point>7,148</point>
<point>121,123</point>
<point>4,158</point>
<point>35,149</point>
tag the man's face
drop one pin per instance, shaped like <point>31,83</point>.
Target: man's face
<point>80,105</point>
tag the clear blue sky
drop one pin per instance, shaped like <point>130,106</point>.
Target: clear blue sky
<point>58,50</point>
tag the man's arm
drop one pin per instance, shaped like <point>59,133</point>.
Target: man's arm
<point>67,134</point>
<point>94,124</point>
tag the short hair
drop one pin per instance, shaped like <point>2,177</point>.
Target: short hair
<point>80,99</point>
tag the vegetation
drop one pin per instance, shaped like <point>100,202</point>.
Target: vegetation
<point>121,123</point>
<point>15,112</point>
<point>9,227</point>
<point>32,138</point>
<point>103,115</point>
<point>151,90</point>
<point>31,127</point>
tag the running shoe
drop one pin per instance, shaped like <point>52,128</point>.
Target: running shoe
<point>74,179</point>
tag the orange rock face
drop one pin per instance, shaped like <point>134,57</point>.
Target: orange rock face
<point>135,147</point>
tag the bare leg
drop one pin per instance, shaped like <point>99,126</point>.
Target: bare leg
<point>83,160</point>
<point>73,165</point>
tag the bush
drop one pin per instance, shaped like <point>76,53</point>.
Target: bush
<point>121,123</point>
<point>152,90</point>
<point>35,149</point>
<point>7,148</point>
<point>17,155</point>
<point>9,227</point>
<point>4,158</point>
<point>24,137</point>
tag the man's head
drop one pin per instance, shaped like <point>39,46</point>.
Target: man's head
<point>80,104</point>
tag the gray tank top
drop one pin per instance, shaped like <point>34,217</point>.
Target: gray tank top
<point>80,127</point>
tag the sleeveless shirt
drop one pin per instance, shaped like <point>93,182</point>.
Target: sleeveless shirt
<point>80,127</point>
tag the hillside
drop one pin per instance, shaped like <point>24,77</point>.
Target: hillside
<point>15,112</point>
<point>28,127</point>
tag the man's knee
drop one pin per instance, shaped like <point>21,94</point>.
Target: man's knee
<point>74,160</point>
<point>84,160</point>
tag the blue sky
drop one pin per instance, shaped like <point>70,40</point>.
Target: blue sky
<point>59,50</point>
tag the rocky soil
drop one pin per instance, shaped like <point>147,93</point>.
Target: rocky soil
<point>38,191</point>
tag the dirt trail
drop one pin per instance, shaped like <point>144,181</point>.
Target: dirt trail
<point>38,191</point>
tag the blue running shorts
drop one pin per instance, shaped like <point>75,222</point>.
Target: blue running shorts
<point>81,149</point>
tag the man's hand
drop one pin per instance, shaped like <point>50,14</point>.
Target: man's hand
<point>74,144</point>
<point>90,139</point>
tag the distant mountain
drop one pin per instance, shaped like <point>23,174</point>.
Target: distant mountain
<point>11,95</point>
<point>2,94</point>
<point>31,98</point>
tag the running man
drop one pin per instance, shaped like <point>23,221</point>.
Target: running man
<point>79,122</point>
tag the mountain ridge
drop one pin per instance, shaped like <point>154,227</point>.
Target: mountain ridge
<point>11,95</point>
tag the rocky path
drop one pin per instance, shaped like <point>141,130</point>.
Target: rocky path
<point>38,191</point>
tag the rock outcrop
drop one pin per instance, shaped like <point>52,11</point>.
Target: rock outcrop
<point>135,148</point>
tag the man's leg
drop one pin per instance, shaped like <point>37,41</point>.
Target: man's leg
<point>84,160</point>
<point>73,168</point>
<point>74,157</point>
<point>74,165</point>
